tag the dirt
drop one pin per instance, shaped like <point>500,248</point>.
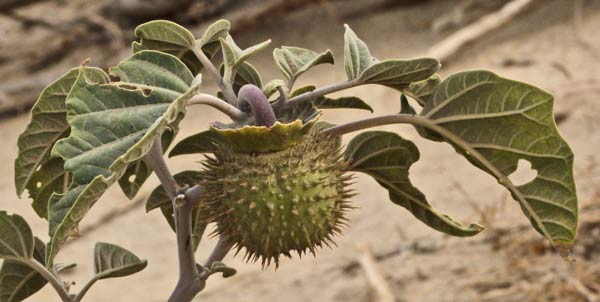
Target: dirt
<point>507,262</point>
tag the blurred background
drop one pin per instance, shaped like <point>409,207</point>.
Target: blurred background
<point>554,44</point>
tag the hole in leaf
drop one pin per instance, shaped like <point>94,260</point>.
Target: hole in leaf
<point>131,178</point>
<point>38,184</point>
<point>146,91</point>
<point>127,87</point>
<point>114,78</point>
<point>523,174</point>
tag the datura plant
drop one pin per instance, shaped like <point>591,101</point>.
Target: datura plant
<point>275,178</point>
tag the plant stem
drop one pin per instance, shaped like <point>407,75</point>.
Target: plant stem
<point>59,287</point>
<point>226,87</point>
<point>85,289</point>
<point>308,96</point>
<point>374,122</point>
<point>219,252</point>
<point>207,99</point>
<point>189,283</point>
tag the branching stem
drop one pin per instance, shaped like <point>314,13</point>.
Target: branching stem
<point>85,289</point>
<point>189,284</point>
<point>58,286</point>
<point>207,99</point>
<point>225,87</point>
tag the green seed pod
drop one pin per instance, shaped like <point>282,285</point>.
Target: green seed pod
<point>275,203</point>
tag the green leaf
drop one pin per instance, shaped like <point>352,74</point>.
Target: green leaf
<point>111,261</point>
<point>233,55</point>
<point>159,199</point>
<point>169,37</point>
<point>398,74</point>
<point>351,102</point>
<point>405,107</point>
<point>114,125</point>
<point>387,158</point>
<point>203,142</point>
<point>357,57</point>
<point>302,90</point>
<point>214,32</point>
<point>51,178</point>
<point>34,170</point>
<point>220,267</point>
<point>138,172</point>
<point>421,91</point>
<point>165,31</point>
<point>16,239</point>
<point>495,122</point>
<point>246,74</point>
<point>18,281</point>
<point>294,61</point>
<point>272,87</point>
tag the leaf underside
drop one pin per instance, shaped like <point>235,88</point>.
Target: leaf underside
<point>398,74</point>
<point>387,158</point>
<point>16,238</point>
<point>171,38</point>
<point>505,121</point>
<point>111,261</point>
<point>34,169</point>
<point>18,281</point>
<point>294,61</point>
<point>112,126</point>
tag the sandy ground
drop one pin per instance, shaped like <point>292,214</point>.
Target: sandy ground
<point>508,262</point>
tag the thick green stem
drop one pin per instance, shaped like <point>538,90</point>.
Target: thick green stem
<point>207,99</point>
<point>58,286</point>
<point>225,86</point>
<point>309,96</point>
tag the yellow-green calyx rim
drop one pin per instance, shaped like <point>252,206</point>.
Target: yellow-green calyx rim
<point>261,139</point>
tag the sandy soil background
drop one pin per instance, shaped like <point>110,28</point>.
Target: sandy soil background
<point>508,262</point>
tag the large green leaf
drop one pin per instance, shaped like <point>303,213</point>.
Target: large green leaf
<point>169,37</point>
<point>495,122</point>
<point>294,61</point>
<point>49,179</point>
<point>387,158</point>
<point>204,142</point>
<point>398,74</point>
<point>159,199</point>
<point>111,261</point>
<point>34,170</point>
<point>112,126</point>
<point>16,238</point>
<point>18,281</point>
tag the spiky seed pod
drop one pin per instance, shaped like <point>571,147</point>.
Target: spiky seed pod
<point>275,203</point>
